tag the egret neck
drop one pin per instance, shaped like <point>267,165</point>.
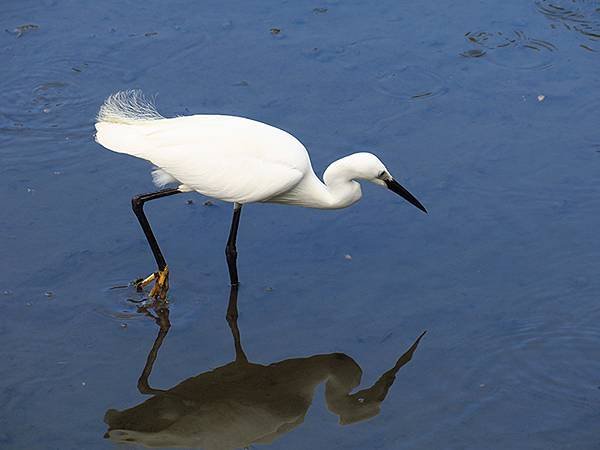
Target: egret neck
<point>339,188</point>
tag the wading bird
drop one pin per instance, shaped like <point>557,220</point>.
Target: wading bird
<point>229,158</point>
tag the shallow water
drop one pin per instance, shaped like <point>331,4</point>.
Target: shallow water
<point>488,114</point>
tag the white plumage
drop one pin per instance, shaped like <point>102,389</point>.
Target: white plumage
<point>230,158</point>
<point>224,157</point>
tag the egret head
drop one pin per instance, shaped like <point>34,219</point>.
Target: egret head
<point>373,170</point>
<point>363,166</point>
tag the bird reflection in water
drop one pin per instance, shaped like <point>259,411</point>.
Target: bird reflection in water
<point>242,403</point>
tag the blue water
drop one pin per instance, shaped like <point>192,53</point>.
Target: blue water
<point>487,112</point>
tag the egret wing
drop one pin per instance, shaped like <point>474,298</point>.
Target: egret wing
<point>226,157</point>
<point>240,179</point>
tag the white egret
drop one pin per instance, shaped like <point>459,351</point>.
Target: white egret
<point>230,158</point>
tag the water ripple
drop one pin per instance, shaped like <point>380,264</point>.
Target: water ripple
<point>122,303</point>
<point>410,83</point>
<point>53,98</point>
<point>581,16</point>
<point>535,356</point>
<point>515,49</point>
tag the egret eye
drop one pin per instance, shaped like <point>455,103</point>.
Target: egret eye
<point>381,174</point>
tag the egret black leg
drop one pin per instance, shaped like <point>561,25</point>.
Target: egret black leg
<point>230,249</point>
<point>161,286</point>
<point>137,204</point>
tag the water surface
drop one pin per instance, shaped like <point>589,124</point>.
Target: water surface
<point>488,114</point>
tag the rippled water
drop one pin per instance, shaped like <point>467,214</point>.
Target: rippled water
<point>514,50</point>
<point>488,114</point>
<point>581,16</point>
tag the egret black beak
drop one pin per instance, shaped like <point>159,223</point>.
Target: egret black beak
<point>396,187</point>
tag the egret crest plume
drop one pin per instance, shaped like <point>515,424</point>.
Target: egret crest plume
<point>128,107</point>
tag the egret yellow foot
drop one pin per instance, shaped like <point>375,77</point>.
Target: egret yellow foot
<point>161,284</point>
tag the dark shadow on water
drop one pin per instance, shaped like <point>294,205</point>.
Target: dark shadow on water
<point>242,403</point>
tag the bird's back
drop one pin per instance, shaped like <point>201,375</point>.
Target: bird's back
<point>226,157</point>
